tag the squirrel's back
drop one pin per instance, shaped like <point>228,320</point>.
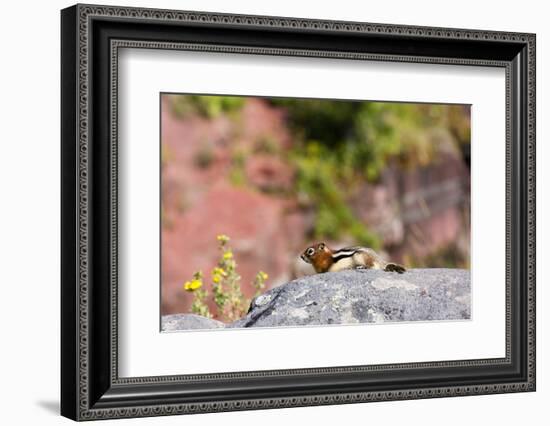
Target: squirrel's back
<point>354,257</point>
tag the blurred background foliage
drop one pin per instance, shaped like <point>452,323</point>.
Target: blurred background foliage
<point>336,152</point>
<point>337,146</point>
<point>206,106</point>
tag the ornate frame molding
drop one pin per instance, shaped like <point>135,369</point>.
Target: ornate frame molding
<point>77,32</point>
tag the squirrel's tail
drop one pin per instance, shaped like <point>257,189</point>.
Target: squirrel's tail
<point>394,267</point>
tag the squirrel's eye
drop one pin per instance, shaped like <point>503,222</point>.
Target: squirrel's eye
<point>310,251</point>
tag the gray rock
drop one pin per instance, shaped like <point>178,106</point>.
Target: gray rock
<point>179,322</point>
<point>363,296</point>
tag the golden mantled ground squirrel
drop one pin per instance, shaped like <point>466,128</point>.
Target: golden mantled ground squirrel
<point>323,259</point>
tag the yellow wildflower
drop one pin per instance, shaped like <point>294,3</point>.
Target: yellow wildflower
<point>227,255</point>
<point>222,238</point>
<point>216,278</point>
<point>218,271</point>
<point>192,285</point>
<point>263,275</point>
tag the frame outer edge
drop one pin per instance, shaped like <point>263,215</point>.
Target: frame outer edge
<point>69,305</point>
<point>80,318</point>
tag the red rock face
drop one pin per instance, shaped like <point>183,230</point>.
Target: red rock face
<point>252,220</point>
<point>200,203</point>
<point>204,162</point>
<point>269,174</point>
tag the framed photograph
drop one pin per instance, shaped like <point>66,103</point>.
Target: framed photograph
<point>263,212</point>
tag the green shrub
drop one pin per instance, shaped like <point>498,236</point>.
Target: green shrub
<point>206,106</point>
<point>324,185</point>
<point>340,144</point>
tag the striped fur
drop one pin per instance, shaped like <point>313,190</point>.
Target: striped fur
<point>323,259</point>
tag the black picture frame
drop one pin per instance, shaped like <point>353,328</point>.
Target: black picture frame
<point>90,386</point>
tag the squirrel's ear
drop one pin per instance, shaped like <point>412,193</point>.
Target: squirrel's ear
<point>321,246</point>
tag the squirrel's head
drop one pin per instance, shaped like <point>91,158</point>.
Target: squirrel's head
<point>312,252</point>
